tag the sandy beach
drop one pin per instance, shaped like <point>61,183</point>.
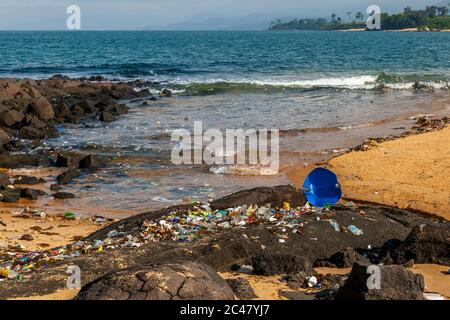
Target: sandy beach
<point>44,188</point>
<point>407,173</point>
<point>265,156</point>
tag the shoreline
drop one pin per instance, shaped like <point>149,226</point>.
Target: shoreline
<point>425,134</point>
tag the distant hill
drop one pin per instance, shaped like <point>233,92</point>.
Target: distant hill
<point>254,22</point>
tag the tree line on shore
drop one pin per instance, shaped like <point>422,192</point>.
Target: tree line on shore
<point>430,18</point>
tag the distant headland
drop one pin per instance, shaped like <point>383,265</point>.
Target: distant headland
<point>432,18</point>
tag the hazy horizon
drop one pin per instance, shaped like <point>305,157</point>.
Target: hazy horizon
<point>179,14</point>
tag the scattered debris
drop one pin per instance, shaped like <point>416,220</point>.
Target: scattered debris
<point>433,296</point>
<point>355,230</point>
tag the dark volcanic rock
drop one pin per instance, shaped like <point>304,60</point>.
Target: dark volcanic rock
<point>62,110</point>
<point>220,250</point>
<point>387,250</point>
<point>67,176</point>
<point>297,280</point>
<point>4,137</point>
<point>30,133</point>
<point>77,111</point>
<point>397,283</point>
<point>106,117</point>
<point>55,187</point>
<point>10,196</point>
<point>296,295</point>
<point>118,109</point>
<point>98,78</point>
<point>10,117</point>
<point>74,118</point>
<point>92,162</point>
<point>69,160</point>
<point>262,196</point>
<point>425,244</point>
<point>63,195</point>
<point>332,280</point>
<point>42,108</point>
<point>23,160</point>
<point>33,121</point>
<point>26,180</point>
<point>28,193</point>
<point>344,259</point>
<point>121,91</point>
<point>27,237</point>
<point>4,179</point>
<point>104,103</point>
<point>242,288</point>
<point>176,281</point>
<point>271,264</point>
<point>87,106</point>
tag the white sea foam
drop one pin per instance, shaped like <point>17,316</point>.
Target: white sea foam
<point>358,82</point>
<point>365,82</point>
<point>243,170</point>
<point>355,82</point>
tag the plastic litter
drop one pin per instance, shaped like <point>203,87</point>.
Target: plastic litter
<point>334,224</point>
<point>112,234</point>
<point>70,215</point>
<point>311,281</point>
<point>245,269</point>
<point>433,296</point>
<point>180,226</point>
<point>355,230</point>
<point>10,274</point>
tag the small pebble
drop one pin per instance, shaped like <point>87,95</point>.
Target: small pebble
<point>27,237</point>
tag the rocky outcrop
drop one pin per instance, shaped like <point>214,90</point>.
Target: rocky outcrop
<point>4,137</point>
<point>29,109</point>
<point>63,195</point>
<point>11,117</point>
<point>174,281</point>
<point>428,243</point>
<point>262,196</point>
<point>342,259</point>
<point>67,176</point>
<point>396,283</point>
<point>92,162</point>
<point>220,250</point>
<point>273,264</point>
<point>42,108</point>
<point>242,288</point>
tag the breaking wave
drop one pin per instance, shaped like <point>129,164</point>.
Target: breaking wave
<point>380,82</point>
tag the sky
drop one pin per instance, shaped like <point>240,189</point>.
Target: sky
<point>180,14</point>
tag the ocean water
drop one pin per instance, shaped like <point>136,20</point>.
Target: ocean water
<point>283,59</point>
<point>323,90</point>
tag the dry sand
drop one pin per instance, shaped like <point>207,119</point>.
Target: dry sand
<point>409,173</point>
<point>50,232</point>
<point>270,288</point>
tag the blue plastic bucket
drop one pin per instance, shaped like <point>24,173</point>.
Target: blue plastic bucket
<point>321,188</point>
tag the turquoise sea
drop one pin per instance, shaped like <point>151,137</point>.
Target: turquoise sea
<point>323,90</point>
